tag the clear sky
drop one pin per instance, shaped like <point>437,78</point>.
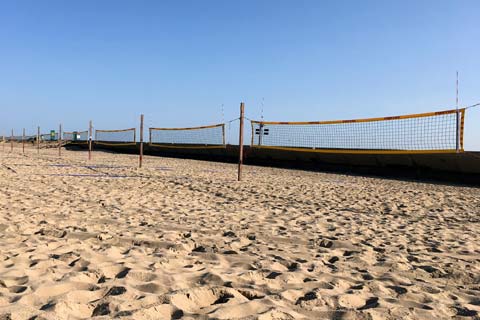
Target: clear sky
<point>179,61</point>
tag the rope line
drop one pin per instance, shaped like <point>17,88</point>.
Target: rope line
<point>473,106</point>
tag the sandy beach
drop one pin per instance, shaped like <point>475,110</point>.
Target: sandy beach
<point>182,239</point>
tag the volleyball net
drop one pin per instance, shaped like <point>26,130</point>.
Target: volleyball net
<point>212,136</point>
<point>16,138</point>
<point>123,137</point>
<point>435,132</point>
<point>75,137</point>
<point>28,138</point>
<point>13,138</point>
<point>49,137</point>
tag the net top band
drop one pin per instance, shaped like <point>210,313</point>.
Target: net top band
<point>409,116</point>
<point>191,128</point>
<point>119,130</point>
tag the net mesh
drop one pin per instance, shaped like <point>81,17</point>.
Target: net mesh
<point>75,136</point>
<point>49,137</point>
<point>196,137</point>
<point>20,138</point>
<point>411,133</point>
<point>13,138</point>
<point>30,138</point>
<point>116,137</point>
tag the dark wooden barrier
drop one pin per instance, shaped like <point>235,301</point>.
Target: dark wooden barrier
<point>462,168</point>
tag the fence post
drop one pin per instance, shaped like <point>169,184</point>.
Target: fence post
<point>23,141</point>
<point>141,142</point>
<point>60,140</point>
<point>90,140</point>
<point>11,142</point>
<point>38,140</point>
<point>240,141</point>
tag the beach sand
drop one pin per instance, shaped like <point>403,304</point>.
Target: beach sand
<point>182,239</point>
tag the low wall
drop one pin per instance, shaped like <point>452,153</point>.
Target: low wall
<point>463,168</point>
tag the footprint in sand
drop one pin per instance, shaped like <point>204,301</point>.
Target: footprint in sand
<point>194,300</point>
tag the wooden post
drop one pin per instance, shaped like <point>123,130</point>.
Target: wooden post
<point>90,140</point>
<point>38,140</point>
<point>60,140</point>
<point>11,142</point>
<point>23,141</point>
<point>260,134</point>
<point>223,134</point>
<point>240,141</point>
<point>141,142</point>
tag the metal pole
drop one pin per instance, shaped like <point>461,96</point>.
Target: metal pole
<point>23,141</point>
<point>141,142</point>
<point>38,139</point>
<point>60,140</point>
<point>90,140</point>
<point>11,142</point>
<point>240,141</point>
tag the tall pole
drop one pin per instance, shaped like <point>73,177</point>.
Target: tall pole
<point>457,140</point>
<point>90,140</point>
<point>11,142</point>
<point>23,141</point>
<point>3,143</point>
<point>240,141</point>
<point>38,139</point>
<point>60,140</point>
<point>141,142</point>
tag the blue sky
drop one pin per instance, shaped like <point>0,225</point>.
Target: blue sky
<point>179,61</point>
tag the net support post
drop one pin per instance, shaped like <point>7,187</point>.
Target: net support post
<point>140,159</point>
<point>23,141</point>
<point>11,142</point>
<point>60,140</point>
<point>223,134</point>
<point>90,140</point>
<point>457,142</point>
<point>253,134</point>
<point>240,141</point>
<point>38,139</point>
<point>260,134</point>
